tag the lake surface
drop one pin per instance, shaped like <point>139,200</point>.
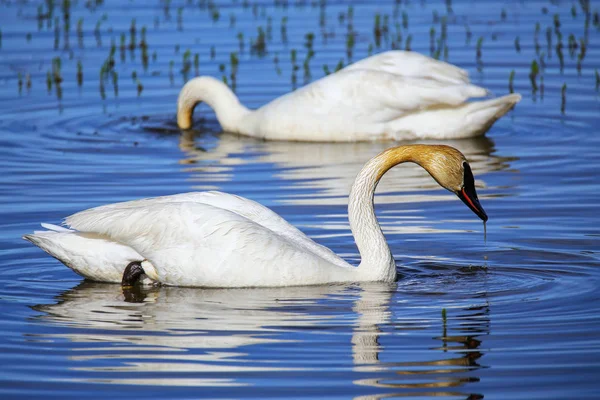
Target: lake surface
<point>515,317</point>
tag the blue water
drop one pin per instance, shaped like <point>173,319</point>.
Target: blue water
<point>522,310</point>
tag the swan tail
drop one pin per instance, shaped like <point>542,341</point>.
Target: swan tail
<point>459,122</point>
<point>92,256</point>
<point>486,112</point>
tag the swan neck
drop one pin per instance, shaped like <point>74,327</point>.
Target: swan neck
<point>217,95</point>
<point>377,262</point>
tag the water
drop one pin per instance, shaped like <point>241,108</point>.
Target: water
<point>521,313</point>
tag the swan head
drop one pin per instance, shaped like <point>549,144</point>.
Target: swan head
<point>185,107</point>
<point>450,169</point>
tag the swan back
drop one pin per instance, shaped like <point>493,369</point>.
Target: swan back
<point>412,65</point>
<point>198,244</point>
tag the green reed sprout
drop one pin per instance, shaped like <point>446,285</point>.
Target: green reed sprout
<point>293,54</point>
<point>196,63</point>
<point>517,45</point>
<point>503,15</point>
<point>404,20</point>
<point>20,82</point>
<point>573,11</point>
<point>339,65</point>
<point>186,62</point>
<point>407,47</point>
<point>140,88</point>
<point>535,70</point>
<point>431,40</point>
<point>213,52</point>
<point>115,82</point>
<point>479,47</point>
<point>49,80</point>
<point>79,73</point>
<point>468,34</point>
<point>350,44</point>
<point>132,34</point>
<point>376,30</point>
<point>180,19</point>
<point>563,96</point>
<point>284,29</point>
<point>56,33</point>
<point>326,69</point>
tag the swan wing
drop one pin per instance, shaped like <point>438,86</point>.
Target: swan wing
<point>196,244</point>
<point>413,65</point>
<point>244,207</point>
<point>358,102</point>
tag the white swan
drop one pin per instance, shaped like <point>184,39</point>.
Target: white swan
<point>396,95</point>
<point>213,239</point>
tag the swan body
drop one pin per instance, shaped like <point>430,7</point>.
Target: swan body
<point>214,239</point>
<point>396,95</point>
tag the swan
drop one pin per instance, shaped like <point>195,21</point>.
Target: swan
<point>214,239</point>
<point>395,95</point>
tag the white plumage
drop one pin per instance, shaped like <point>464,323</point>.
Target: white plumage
<point>395,95</point>
<point>214,239</point>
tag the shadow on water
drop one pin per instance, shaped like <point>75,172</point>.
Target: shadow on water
<point>169,331</point>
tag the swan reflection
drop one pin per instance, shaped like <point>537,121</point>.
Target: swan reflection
<point>220,334</point>
<point>325,171</point>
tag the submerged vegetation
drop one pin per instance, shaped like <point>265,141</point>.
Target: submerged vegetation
<point>568,32</point>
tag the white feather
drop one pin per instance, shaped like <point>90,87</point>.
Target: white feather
<point>394,95</point>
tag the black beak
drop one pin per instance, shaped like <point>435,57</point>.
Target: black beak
<point>469,196</point>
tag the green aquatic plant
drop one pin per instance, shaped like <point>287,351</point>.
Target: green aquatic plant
<point>350,44</point>
<point>140,88</point>
<point>293,55</point>
<point>407,47</point>
<point>431,40</point>
<point>49,80</point>
<point>197,63</point>
<point>186,63</point>
<point>213,52</point>
<point>80,32</point>
<point>234,60</point>
<point>376,30</point>
<point>535,70</point>
<point>404,20</point>
<point>559,53</point>
<point>479,48</point>
<point>132,35</point>
<point>56,34</point>
<point>468,34</point>
<point>517,45</point>
<point>258,46</point>
<point>563,98</point>
<point>339,66</point>
<point>326,69</point>
<point>503,15</point>
<point>115,82</point>
<point>20,82</point>
<point>180,19</point>
<point>573,11</point>
<point>79,73</point>
<point>283,29</point>
<point>597,80</point>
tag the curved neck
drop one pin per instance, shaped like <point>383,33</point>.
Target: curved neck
<point>217,95</point>
<point>377,261</point>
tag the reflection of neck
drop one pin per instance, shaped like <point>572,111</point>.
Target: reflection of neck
<point>217,95</point>
<point>372,309</point>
